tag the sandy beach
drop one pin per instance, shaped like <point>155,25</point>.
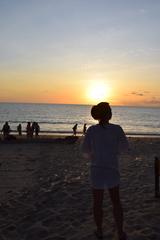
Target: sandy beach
<point>45,192</point>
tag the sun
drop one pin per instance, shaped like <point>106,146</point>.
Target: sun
<point>98,92</point>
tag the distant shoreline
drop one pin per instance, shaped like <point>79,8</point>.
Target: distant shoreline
<point>51,134</point>
<point>81,104</point>
<point>60,119</point>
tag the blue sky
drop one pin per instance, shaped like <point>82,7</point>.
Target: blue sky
<point>93,37</point>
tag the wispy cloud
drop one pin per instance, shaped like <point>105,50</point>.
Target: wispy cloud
<point>154,101</point>
<point>146,92</point>
<point>137,94</point>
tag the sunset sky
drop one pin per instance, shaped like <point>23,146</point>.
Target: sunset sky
<point>80,51</point>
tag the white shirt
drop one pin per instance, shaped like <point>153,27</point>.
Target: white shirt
<point>103,144</point>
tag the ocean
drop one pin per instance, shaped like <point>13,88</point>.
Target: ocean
<point>60,118</point>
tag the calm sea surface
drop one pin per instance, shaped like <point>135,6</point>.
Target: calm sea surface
<point>55,117</point>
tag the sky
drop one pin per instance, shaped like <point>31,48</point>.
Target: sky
<point>80,51</point>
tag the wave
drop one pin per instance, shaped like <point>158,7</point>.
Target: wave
<point>47,122</point>
<point>134,121</point>
<point>133,134</point>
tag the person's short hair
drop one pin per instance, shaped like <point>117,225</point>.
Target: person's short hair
<point>101,111</point>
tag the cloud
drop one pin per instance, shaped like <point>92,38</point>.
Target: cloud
<point>137,94</point>
<point>154,100</point>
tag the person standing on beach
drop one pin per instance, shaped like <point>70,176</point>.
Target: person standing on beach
<point>6,130</point>
<point>29,130</point>
<point>75,129</point>
<point>102,144</point>
<point>19,129</point>
<point>84,128</point>
<point>33,127</point>
<point>37,129</point>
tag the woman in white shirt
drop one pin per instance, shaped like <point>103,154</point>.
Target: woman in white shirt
<point>102,144</point>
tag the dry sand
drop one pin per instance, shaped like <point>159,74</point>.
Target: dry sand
<point>45,192</point>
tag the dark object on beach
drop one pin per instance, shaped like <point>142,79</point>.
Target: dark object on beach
<point>71,139</point>
<point>10,138</point>
<point>98,235</point>
<point>29,130</point>
<point>19,129</point>
<point>37,129</point>
<point>84,128</point>
<point>75,129</point>
<point>33,127</point>
<point>6,130</point>
<point>157,174</point>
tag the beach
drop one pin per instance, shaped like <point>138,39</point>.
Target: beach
<point>45,191</point>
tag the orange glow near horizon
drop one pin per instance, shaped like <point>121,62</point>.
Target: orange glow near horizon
<point>75,52</point>
<point>77,88</point>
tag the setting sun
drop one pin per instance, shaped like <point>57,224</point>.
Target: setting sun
<point>98,91</point>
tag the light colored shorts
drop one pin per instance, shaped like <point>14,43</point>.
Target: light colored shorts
<point>103,178</point>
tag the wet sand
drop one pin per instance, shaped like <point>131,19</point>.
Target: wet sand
<point>45,192</point>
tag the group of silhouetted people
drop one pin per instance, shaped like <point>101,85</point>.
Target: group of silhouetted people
<point>75,129</point>
<point>31,130</point>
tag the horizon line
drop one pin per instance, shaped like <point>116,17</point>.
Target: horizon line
<point>89,104</point>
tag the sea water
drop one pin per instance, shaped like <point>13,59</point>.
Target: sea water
<point>62,117</point>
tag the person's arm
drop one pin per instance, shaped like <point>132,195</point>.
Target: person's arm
<point>123,141</point>
<point>86,144</point>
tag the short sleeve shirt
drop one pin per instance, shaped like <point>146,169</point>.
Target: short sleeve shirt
<point>103,144</point>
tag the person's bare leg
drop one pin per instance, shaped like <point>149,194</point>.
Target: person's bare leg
<point>98,209</point>
<point>117,211</point>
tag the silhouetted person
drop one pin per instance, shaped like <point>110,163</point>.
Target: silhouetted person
<point>19,129</point>
<point>75,129</point>
<point>33,127</point>
<point>102,144</point>
<point>84,128</point>
<point>37,129</point>
<point>6,130</point>
<point>29,130</point>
